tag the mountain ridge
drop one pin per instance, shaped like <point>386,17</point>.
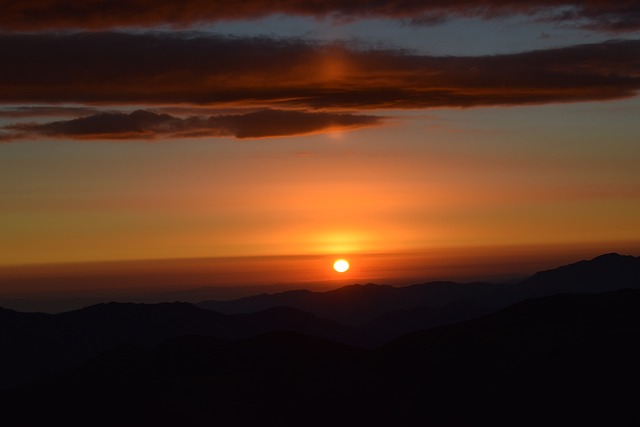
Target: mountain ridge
<point>37,343</point>
<point>34,343</point>
<point>559,360</point>
<point>592,275</point>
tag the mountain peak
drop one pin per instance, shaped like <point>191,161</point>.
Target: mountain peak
<point>608,255</point>
<point>611,256</point>
<point>603,273</point>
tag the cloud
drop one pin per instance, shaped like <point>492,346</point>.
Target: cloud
<point>601,15</point>
<point>39,111</point>
<point>142,124</point>
<point>29,15</point>
<point>164,69</point>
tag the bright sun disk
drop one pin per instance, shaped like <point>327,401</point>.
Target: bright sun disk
<point>341,265</point>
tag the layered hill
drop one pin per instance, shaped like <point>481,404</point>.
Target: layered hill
<point>34,344</point>
<point>358,304</point>
<point>555,361</point>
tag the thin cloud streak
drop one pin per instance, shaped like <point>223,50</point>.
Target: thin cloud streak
<point>48,111</point>
<point>30,15</point>
<point>162,69</point>
<point>147,125</point>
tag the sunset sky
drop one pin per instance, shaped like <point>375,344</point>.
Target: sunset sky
<point>207,142</point>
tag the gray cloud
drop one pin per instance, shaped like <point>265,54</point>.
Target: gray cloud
<point>30,15</point>
<point>143,124</point>
<point>39,111</point>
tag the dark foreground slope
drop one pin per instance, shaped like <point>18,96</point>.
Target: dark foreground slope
<point>560,360</point>
<point>553,361</point>
<point>33,344</point>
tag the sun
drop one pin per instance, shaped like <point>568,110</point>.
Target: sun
<point>341,265</point>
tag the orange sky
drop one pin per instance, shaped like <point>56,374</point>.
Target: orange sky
<point>256,146</point>
<point>439,186</point>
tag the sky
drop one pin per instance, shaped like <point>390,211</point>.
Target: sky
<point>194,143</point>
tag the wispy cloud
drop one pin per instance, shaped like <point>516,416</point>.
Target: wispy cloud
<point>142,124</point>
<point>620,15</point>
<point>44,111</point>
<point>163,69</point>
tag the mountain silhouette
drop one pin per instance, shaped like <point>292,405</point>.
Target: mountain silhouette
<point>37,343</point>
<point>560,360</point>
<point>358,304</point>
<point>399,322</point>
<point>183,381</point>
<point>603,273</point>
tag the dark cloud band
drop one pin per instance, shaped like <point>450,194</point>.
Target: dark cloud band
<point>619,15</point>
<point>142,124</point>
<point>38,111</point>
<point>161,69</point>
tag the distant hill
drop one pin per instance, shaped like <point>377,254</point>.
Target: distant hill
<point>399,322</point>
<point>554,361</point>
<point>358,304</point>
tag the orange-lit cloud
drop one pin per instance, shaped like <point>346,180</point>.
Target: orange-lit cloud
<point>142,124</point>
<point>621,15</point>
<point>167,69</point>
